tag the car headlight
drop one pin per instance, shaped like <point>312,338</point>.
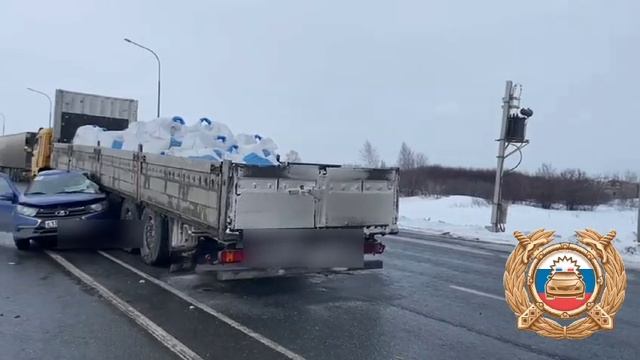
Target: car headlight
<point>26,210</point>
<point>98,206</point>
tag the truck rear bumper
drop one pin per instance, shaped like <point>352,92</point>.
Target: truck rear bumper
<point>235,272</point>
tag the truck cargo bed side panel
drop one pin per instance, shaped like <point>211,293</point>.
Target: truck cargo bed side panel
<point>267,206</point>
<point>117,171</point>
<point>187,188</point>
<point>274,197</point>
<point>85,158</point>
<point>359,197</point>
<point>313,196</point>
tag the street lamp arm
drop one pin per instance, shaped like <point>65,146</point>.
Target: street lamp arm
<point>41,93</point>
<point>48,98</point>
<point>144,47</point>
<point>157,59</point>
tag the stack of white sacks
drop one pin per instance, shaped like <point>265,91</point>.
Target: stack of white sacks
<point>210,140</point>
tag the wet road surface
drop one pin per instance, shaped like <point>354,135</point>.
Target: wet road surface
<point>47,314</point>
<point>435,299</point>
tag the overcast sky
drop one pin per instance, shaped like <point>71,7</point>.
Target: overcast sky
<point>323,76</point>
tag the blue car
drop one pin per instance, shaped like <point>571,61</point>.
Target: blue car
<point>52,197</point>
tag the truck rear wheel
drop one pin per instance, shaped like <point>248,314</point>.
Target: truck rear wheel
<point>155,238</point>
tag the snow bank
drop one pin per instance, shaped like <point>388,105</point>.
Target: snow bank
<point>466,217</point>
<point>171,136</point>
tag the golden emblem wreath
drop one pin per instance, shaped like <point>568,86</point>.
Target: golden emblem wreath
<point>530,314</point>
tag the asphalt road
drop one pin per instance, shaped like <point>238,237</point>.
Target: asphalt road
<point>435,299</point>
<point>47,314</point>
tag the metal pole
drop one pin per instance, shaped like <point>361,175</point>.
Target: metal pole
<point>158,110</point>
<point>48,98</point>
<point>4,120</point>
<point>158,59</point>
<point>638,229</point>
<point>497,190</point>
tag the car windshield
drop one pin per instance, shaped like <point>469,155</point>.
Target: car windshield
<point>61,184</point>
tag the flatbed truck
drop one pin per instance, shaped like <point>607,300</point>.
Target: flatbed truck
<point>244,221</point>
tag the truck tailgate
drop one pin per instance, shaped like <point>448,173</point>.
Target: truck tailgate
<point>312,196</point>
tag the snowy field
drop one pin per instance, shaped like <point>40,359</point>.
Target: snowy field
<point>466,217</point>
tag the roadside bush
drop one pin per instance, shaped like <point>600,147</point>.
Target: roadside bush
<point>547,188</point>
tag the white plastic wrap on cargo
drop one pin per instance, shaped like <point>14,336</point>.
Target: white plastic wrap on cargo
<point>207,139</point>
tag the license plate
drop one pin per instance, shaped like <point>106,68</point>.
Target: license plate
<point>51,224</point>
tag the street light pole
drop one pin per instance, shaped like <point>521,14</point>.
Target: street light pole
<point>158,59</point>
<point>48,98</point>
<point>4,120</point>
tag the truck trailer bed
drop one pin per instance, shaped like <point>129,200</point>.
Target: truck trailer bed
<point>222,197</point>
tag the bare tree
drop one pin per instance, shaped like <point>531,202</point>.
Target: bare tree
<point>546,171</point>
<point>546,189</point>
<point>421,160</point>
<point>369,155</point>
<point>580,192</point>
<point>406,158</point>
<point>631,176</point>
<point>292,156</point>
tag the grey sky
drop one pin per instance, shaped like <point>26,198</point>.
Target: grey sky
<point>322,76</point>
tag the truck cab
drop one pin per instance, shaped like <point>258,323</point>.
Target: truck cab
<point>41,159</point>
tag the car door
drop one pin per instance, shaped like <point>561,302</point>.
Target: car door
<point>8,201</point>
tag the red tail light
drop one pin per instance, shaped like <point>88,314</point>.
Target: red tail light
<point>373,247</point>
<point>231,256</point>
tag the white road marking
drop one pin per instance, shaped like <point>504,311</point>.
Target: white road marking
<point>476,292</point>
<point>448,246</point>
<point>164,337</point>
<point>234,324</point>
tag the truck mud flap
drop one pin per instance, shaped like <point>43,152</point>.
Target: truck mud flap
<point>98,234</point>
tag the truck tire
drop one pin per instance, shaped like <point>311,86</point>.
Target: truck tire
<point>22,244</point>
<point>129,211</point>
<point>155,238</point>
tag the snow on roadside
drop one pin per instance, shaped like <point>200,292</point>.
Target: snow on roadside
<point>466,217</point>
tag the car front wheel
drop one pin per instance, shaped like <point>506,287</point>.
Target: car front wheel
<point>22,244</point>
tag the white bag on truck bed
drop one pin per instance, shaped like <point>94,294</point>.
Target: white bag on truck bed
<point>207,139</point>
